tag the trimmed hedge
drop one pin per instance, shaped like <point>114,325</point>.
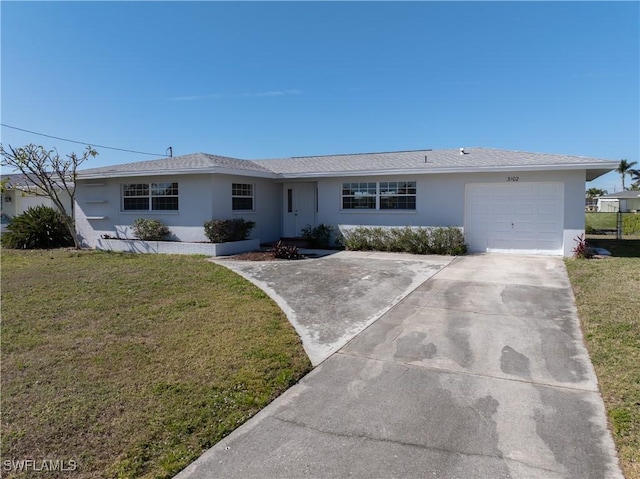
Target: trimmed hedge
<point>447,240</point>
<point>224,231</point>
<point>150,230</point>
<point>631,223</point>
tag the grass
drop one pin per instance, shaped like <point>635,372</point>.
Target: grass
<point>601,221</point>
<point>133,365</point>
<point>608,302</point>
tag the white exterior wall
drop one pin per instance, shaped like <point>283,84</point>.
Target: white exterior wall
<point>21,201</point>
<point>613,205</point>
<point>440,200</point>
<point>201,198</point>
<point>267,200</point>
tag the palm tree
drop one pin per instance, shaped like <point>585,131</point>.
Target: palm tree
<point>625,168</point>
<point>595,192</point>
<point>635,177</point>
<point>592,194</point>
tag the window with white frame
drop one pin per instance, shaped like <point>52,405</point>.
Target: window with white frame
<point>241,196</point>
<point>397,195</point>
<point>359,196</point>
<point>383,195</point>
<point>150,197</point>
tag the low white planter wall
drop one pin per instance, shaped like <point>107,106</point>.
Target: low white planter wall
<point>178,247</point>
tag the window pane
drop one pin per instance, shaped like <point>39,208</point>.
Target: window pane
<point>164,189</point>
<point>241,189</point>
<point>398,203</point>
<point>164,203</point>
<point>137,189</point>
<point>365,202</point>
<point>242,203</point>
<point>136,204</point>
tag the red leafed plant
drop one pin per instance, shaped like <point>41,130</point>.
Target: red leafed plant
<point>581,249</point>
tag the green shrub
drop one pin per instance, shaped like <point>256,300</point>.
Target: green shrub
<point>150,230</point>
<point>631,224</point>
<point>408,240</point>
<point>223,231</point>
<point>283,251</point>
<point>40,227</point>
<point>317,236</point>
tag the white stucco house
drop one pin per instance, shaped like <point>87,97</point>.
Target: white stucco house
<point>624,201</point>
<point>506,201</point>
<point>19,194</point>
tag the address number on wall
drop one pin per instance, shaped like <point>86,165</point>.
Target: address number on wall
<point>513,178</point>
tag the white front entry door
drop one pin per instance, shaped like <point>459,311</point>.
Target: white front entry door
<point>299,207</point>
<point>515,217</point>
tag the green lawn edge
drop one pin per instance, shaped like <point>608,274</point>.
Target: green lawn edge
<point>607,293</point>
<point>133,365</point>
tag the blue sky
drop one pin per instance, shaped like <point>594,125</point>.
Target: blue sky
<point>266,79</point>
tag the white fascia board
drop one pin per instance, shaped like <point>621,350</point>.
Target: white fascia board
<point>174,172</point>
<point>443,170</point>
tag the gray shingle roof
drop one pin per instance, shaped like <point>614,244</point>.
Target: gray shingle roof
<point>415,160</point>
<point>437,161</point>
<point>623,194</point>
<point>20,182</point>
<point>195,162</point>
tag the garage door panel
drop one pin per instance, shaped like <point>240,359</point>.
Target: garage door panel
<point>524,227</point>
<point>548,206</point>
<point>499,209</point>
<point>549,190</point>
<point>515,217</point>
<point>547,227</point>
<point>524,190</point>
<point>528,208</point>
<point>500,226</point>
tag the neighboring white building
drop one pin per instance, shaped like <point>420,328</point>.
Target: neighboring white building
<point>506,201</point>
<point>18,196</point>
<point>625,201</point>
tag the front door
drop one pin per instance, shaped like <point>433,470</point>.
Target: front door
<point>299,207</point>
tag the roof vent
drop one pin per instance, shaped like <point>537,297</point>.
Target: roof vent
<point>462,151</point>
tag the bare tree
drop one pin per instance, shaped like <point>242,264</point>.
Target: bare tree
<point>48,175</point>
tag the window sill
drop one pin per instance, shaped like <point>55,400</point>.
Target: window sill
<point>393,212</point>
<point>150,212</point>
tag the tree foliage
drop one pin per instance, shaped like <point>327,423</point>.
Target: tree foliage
<point>595,192</point>
<point>626,168</point>
<point>49,175</point>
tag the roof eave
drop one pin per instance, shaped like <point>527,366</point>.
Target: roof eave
<point>593,170</point>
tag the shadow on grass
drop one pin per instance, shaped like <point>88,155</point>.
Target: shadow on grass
<point>628,248</point>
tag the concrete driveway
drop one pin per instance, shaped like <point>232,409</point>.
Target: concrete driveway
<point>479,372</point>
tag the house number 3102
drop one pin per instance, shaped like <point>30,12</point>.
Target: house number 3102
<point>513,178</point>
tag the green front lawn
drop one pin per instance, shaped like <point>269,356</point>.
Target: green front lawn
<point>607,293</point>
<point>601,221</point>
<point>133,365</point>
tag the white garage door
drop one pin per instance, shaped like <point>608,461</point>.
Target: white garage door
<point>515,217</point>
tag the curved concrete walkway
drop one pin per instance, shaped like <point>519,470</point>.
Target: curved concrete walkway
<point>332,298</point>
<point>479,372</point>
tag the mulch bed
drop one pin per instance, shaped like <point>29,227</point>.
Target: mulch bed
<point>254,256</point>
